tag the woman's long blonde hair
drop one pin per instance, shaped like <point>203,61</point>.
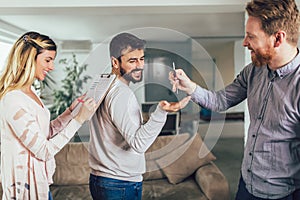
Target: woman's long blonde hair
<point>21,62</point>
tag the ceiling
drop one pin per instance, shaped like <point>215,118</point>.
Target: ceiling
<point>208,22</point>
<point>94,21</point>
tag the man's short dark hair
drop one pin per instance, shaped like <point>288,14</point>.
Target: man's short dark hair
<point>125,41</point>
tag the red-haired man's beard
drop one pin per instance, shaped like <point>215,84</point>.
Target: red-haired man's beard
<point>262,57</point>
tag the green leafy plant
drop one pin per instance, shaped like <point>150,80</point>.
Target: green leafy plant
<point>72,85</point>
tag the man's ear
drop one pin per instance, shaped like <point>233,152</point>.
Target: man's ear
<point>280,36</point>
<point>114,62</point>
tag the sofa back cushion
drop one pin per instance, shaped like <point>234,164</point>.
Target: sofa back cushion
<point>72,167</point>
<point>176,157</point>
<point>161,147</point>
<point>186,159</point>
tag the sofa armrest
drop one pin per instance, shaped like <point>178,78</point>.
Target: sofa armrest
<point>212,182</point>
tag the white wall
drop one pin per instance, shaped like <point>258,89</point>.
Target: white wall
<point>239,64</point>
<point>4,51</point>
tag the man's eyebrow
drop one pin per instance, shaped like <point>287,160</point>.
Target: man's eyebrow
<point>251,34</point>
<point>131,59</point>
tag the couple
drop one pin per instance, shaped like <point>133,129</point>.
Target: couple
<point>29,140</point>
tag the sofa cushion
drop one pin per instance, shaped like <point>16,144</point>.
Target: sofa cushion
<point>72,167</point>
<point>162,146</point>
<point>187,159</point>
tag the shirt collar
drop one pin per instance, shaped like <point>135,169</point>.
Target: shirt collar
<point>291,66</point>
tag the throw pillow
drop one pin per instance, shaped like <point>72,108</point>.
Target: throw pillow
<point>192,155</point>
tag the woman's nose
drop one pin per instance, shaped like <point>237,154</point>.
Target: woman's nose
<point>51,66</point>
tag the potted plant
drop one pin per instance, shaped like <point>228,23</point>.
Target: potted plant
<point>72,85</point>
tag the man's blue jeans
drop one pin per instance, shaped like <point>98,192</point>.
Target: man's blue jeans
<point>103,188</point>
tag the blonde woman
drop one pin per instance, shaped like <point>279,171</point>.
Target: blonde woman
<point>29,140</point>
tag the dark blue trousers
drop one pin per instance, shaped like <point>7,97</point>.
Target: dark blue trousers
<point>243,194</point>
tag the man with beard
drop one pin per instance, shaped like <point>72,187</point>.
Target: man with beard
<point>271,84</point>
<point>118,138</point>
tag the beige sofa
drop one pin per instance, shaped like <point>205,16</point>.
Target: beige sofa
<point>176,169</point>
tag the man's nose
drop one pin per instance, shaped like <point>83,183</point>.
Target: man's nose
<point>140,64</point>
<point>245,42</point>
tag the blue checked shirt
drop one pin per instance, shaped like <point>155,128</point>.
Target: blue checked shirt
<point>271,162</point>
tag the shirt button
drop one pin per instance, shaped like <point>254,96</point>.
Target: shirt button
<point>250,154</point>
<point>253,135</point>
<point>259,117</point>
<point>248,170</point>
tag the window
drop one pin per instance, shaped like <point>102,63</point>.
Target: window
<point>4,50</point>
